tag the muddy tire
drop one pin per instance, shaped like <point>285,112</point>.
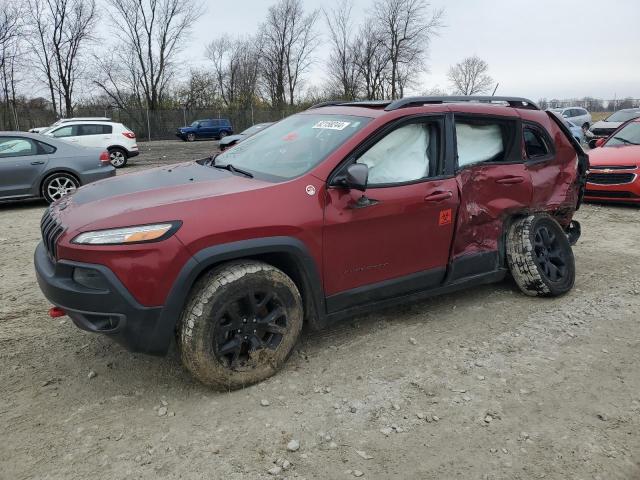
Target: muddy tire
<point>240,324</point>
<point>540,257</point>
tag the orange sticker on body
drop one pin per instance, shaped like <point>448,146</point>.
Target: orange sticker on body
<point>445,217</point>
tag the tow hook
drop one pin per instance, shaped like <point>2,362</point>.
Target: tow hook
<point>573,232</point>
<point>56,312</point>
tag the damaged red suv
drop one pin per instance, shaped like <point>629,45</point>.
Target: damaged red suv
<point>341,209</point>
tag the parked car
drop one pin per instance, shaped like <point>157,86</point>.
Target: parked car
<point>114,137</point>
<point>64,120</point>
<point>338,210</point>
<point>33,166</point>
<point>604,128</point>
<point>231,140</point>
<point>215,128</point>
<point>576,131</point>
<point>615,165</point>
<point>577,115</point>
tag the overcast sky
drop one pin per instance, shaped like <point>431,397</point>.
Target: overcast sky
<point>535,48</point>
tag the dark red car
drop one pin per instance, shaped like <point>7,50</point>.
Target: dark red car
<point>615,165</point>
<point>341,209</point>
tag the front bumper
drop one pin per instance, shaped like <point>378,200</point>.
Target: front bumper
<point>110,309</point>
<point>628,192</point>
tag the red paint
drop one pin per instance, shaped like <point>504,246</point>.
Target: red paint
<point>414,227</point>
<point>56,312</point>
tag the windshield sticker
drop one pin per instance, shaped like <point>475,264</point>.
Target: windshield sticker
<point>331,125</point>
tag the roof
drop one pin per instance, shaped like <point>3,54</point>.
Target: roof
<point>391,105</point>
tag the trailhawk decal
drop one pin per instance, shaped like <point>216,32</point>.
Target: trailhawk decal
<point>331,125</point>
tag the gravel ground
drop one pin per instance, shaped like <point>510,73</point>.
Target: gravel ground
<point>484,384</point>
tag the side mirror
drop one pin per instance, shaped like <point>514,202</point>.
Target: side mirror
<point>198,126</point>
<point>357,176</point>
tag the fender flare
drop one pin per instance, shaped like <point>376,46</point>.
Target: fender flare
<point>206,258</point>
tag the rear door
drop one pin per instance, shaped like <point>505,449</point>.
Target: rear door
<point>494,183</point>
<point>21,163</point>
<point>398,240</point>
<point>95,135</point>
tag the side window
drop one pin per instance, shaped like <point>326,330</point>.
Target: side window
<point>45,148</point>
<point>406,154</point>
<point>17,147</point>
<point>107,129</point>
<point>535,144</point>
<point>85,130</point>
<point>483,140</point>
<point>67,131</point>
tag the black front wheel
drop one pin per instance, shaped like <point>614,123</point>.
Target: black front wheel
<point>540,256</point>
<point>240,324</point>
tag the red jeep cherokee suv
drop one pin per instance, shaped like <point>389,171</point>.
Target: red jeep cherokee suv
<point>343,208</point>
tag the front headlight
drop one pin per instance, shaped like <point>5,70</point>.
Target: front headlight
<point>138,234</point>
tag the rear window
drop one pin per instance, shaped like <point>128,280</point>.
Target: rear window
<point>483,140</point>
<point>94,129</point>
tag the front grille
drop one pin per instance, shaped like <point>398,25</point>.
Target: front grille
<point>51,230</point>
<point>602,132</point>
<point>613,167</point>
<point>610,178</point>
<point>609,194</point>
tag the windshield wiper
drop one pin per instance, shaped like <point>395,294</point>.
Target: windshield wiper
<point>624,140</point>
<point>233,169</point>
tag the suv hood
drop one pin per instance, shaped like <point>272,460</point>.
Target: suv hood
<point>159,192</point>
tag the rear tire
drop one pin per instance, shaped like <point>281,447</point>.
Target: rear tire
<point>118,157</point>
<point>540,257</point>
<point>57,185</point>
<point>585,127</point>
<point>240,324</point>
<point>222,135</point>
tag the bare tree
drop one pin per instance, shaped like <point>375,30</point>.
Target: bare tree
<point>40,38</point>
<point>10,15</point>
<point>199,91</point>
<point>73,25</point>
<point>152,31</point>
<point>372,61</point>
<point>236,66</point>
<point>470,77</point>
<point>288,40</point>
<point>407,26</point>
<point>342,66</point>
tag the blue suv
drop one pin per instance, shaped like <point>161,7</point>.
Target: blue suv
<point>216,128</point>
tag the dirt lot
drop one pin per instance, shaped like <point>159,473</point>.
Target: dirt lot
<point>485,384</point>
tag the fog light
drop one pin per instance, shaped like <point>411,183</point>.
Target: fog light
<point>87,277</point>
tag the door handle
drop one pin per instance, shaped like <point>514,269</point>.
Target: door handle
<point>37,162</point>
<point>510,180</point>
<point>438,197</point>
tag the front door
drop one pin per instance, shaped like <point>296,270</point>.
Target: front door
<point>20,165</point>
<point>397,240</point>
<point>494,183</point>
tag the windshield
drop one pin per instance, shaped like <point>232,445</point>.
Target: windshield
<point>45,130</point>
<point>623,116</point>
<point>629,135</point>
<point>255,129</point>
<point>294,145</point>
<point>196,123</point>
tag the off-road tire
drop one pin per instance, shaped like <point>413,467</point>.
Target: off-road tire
<point>525,255</point>
<point>200,326</point>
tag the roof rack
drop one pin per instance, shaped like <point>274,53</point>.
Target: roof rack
<point>514,102</point>
<point>390,105</point>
